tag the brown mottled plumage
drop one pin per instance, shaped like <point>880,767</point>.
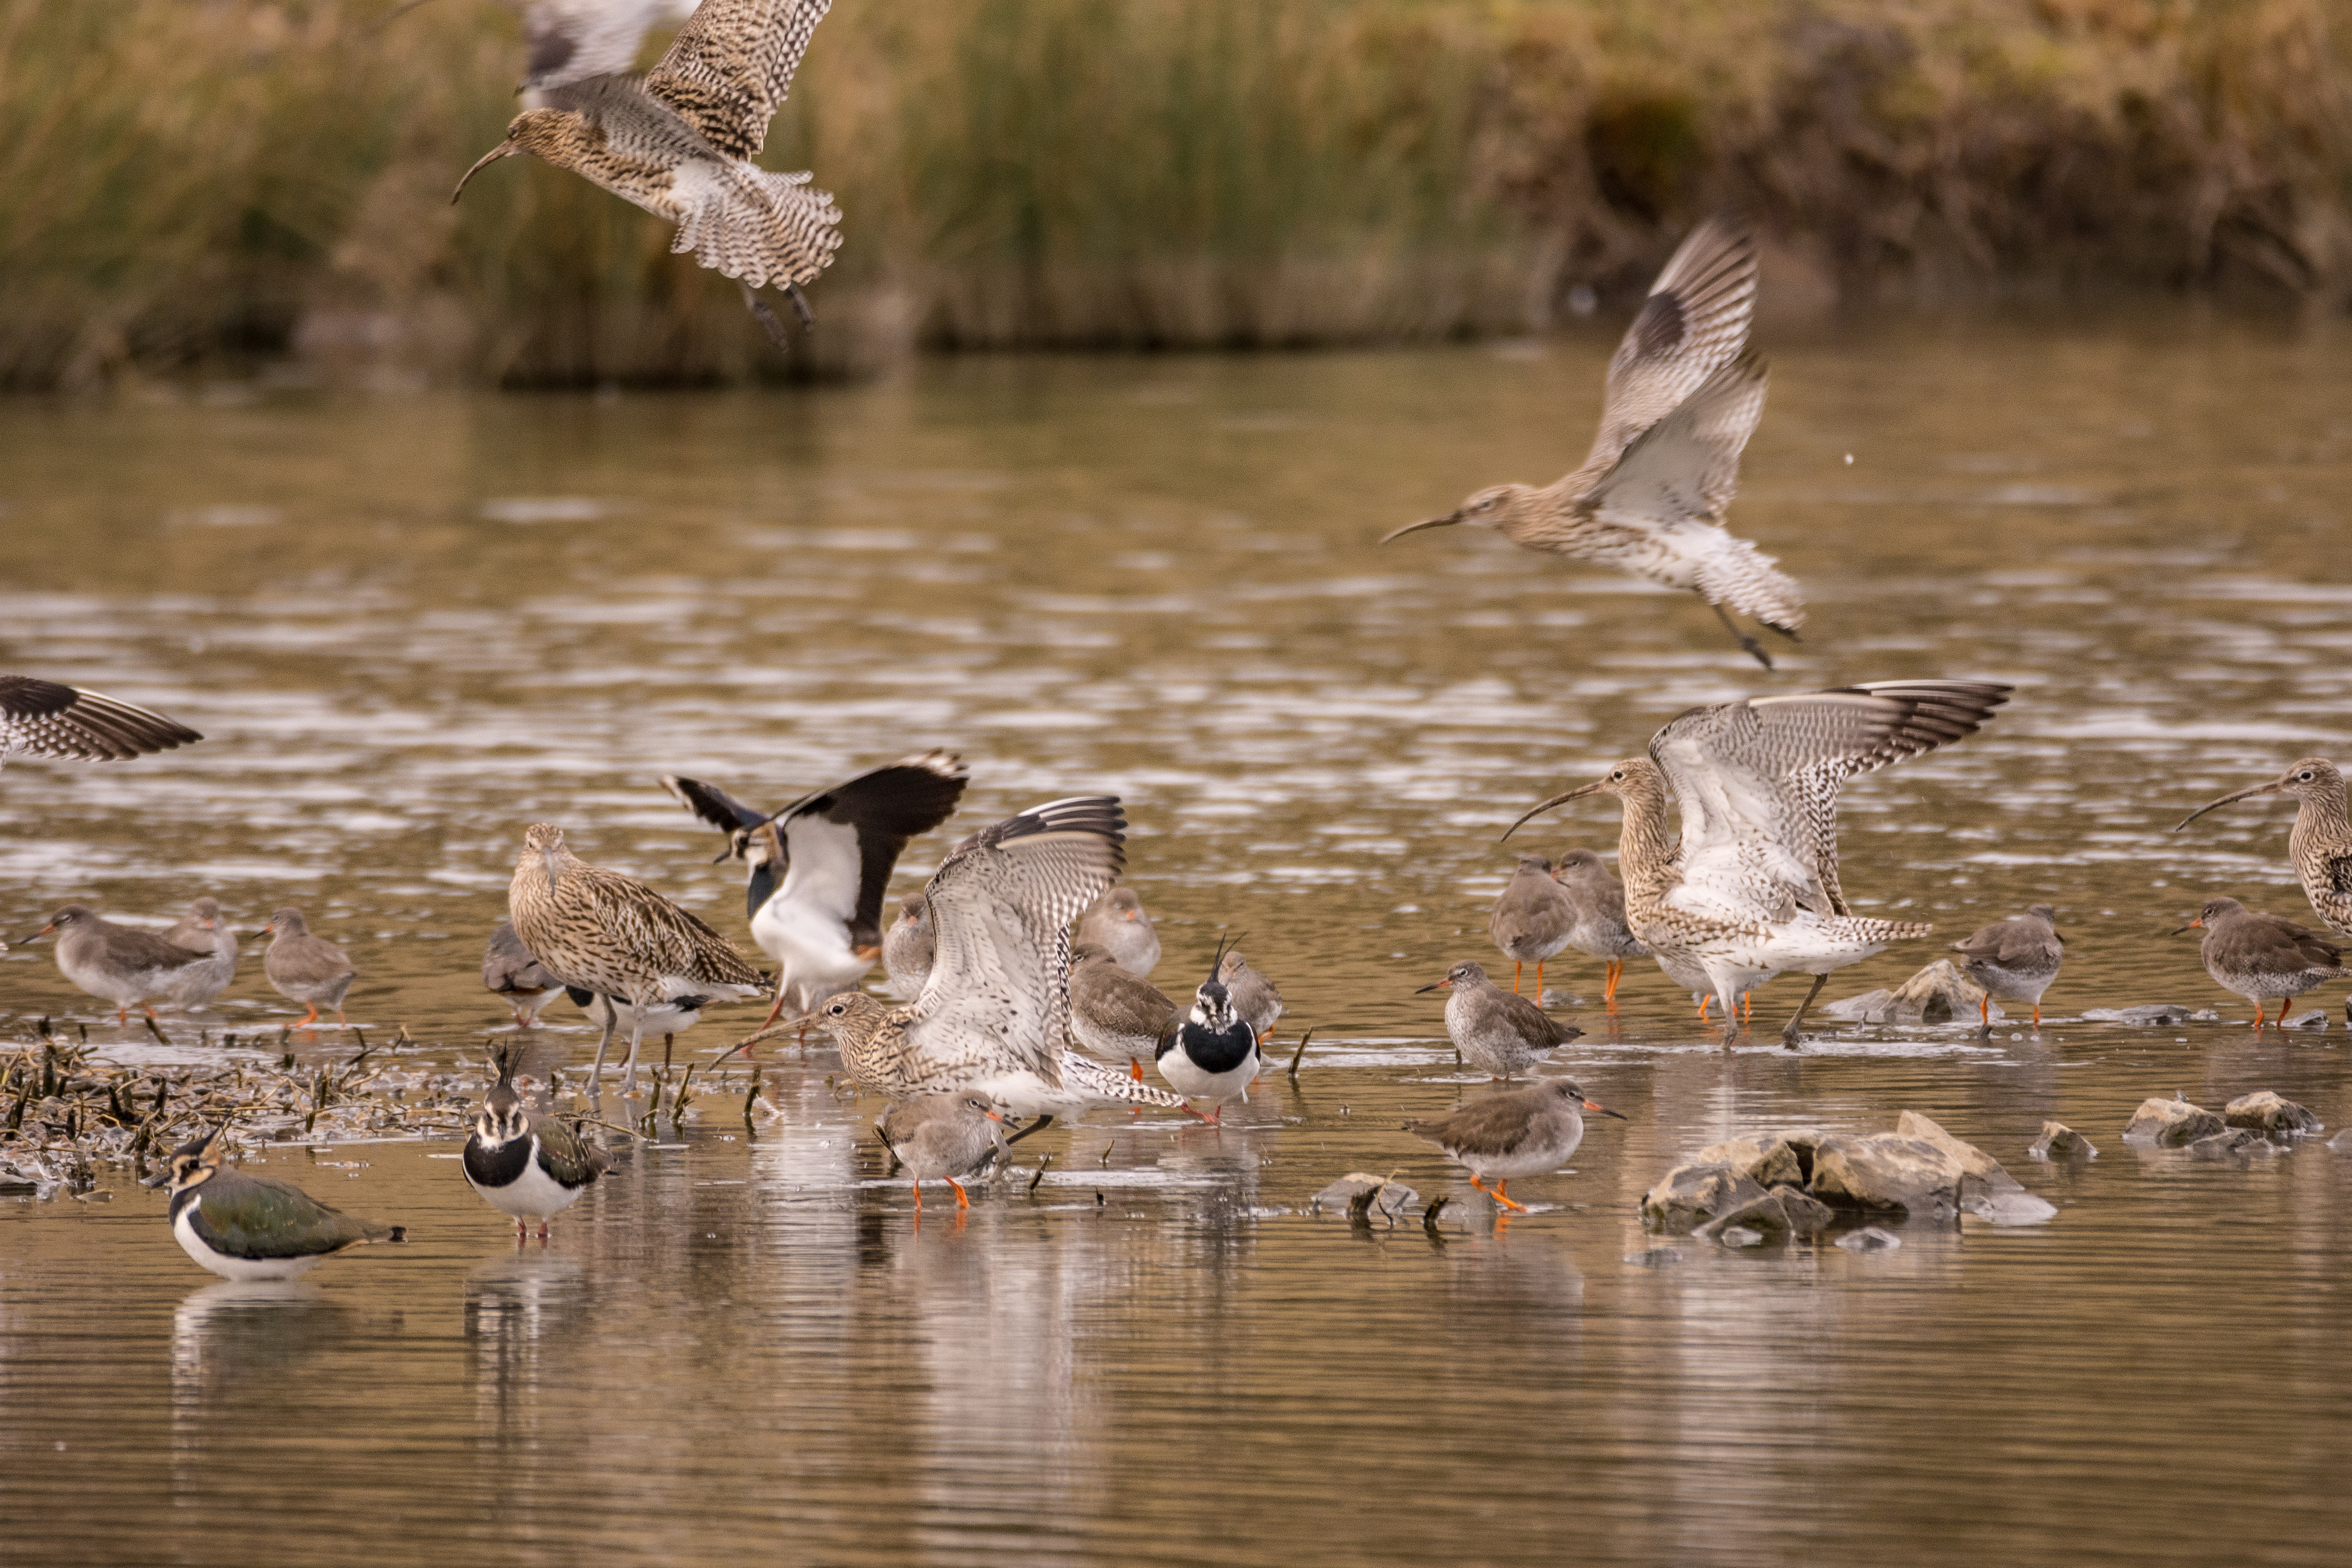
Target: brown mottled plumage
<point>612,936</point>
<point>1531,920</point>
<point>1598,900</point>
<point>2320,844</point>
<point>1683,399</point>
<point>1513,1133</point>
<point>2015,960</point>
<point>678,141</point>
<point>2262,956</point>
<point>305,968</point>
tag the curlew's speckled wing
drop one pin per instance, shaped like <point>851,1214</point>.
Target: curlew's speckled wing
<point>730,68</point>
<point>1693,322</point>
<point>1757,784</point>
<point>42,719</point>
<point>571,40</point>
<point>1000,907</point>
<point>1685,468</point>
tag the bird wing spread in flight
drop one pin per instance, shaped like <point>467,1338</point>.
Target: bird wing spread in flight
<point>44,718</point>
<point>842,843</point>
<point>1757,783</point>
<point>713,804</point>
<point>571,40</point>
<point>1001,907</point>
<point>1693,322</point>
<point>1685,468</point>
<point>728,68</point>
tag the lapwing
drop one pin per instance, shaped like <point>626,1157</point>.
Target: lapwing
<point>527,1165</point>
<point>251,1228</point>
<point>1212,1054</point>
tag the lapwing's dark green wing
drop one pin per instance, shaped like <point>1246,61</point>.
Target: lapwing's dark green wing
<point>249,1217</point>
<point>571,1159</point>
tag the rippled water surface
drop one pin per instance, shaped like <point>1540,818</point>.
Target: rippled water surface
<point>410,628</point>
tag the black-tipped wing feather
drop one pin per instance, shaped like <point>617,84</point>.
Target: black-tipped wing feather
<point>44,718</point>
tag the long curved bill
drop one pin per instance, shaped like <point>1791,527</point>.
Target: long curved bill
<point>1546,805</point>
<point>2249,794</point>
<point>1450,519</point>
<point>503,150</point>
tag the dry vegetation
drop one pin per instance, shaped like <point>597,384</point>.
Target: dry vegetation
<point>188,181</point>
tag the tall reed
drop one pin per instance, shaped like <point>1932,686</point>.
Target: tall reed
<point>184,181</point>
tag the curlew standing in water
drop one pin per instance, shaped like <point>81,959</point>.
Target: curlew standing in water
<point>1600,932</point>
<point>614,936</point>
<point>1751,891</point>
<point>2015,960</point>
<point>2263,957</point>
<point>1531,920</point>
<point>1684,397</point>
<point>678,141</point>
<point>1499,1032</point>
<point>42,719</point>
<point>816,870</point>
<point>2320,843</point>
<point>1517,1132</point>
<point>994,1012</point>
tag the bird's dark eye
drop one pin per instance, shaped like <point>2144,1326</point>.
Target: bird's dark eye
<point>2304,775</point>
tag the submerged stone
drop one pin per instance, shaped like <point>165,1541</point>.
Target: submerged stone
<point>1870,1238</point>
<point>2060,1141</point>
<point>1688,1195</point>
<point>1807,1215</point>
<point>1887,1170</point>
<point>2158,1013</point>
<point>1766,1159</point>
<point>1393,1198</point>
<point>2315,1019</point>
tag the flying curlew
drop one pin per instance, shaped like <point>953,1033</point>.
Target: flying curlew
<point>1684,395</point>
<point>1751,891</point>
<point>42,719</point>
<point>614,936</point>
<point>679,140</point>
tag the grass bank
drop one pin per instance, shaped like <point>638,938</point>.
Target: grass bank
<point>184,181</point>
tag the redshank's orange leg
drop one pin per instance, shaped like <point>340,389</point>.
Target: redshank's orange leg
<point>2037,1018</point>
<point>340,1022</point>
<point>1748,1007</point>
<point>1615,973</point>
<point>122,1015</point>
<point>1539,963</point>
<point>773,1011</point>
<point>919,1194</point>
<point>1135,1069</point>
<point>306,1022</point>
<point>963,1201</point>
<point>1501,1194</point>
<point>1703,1006</point>
<point>1516,967</point>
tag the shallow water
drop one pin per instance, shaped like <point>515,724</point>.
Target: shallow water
<point>409,628</point>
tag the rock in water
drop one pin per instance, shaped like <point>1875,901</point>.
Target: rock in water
<point>2159,1012</point>
<point>1986,1189</point>
<point>1767,1159</point>
<point>1807,1215</point>
<point>2060,1141</point>
<point>1887,1172</point>
<point>2170,1123</point>
<point>2265,1111</point>
<point>1393,1201</point>
<point>2231,1144</point>
<point>1943,993</point>
<point>1689,1195</point>
<point>1870,1238</point>
<point>1870,1007</point>
<point>2315,1019</point>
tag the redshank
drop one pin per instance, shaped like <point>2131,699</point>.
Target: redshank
<point>510,972</point>
<point>42,718</point>
<point>203,931</point>
<point>1254,996</point>
<point>1514,1133</point>
<point>907,947</point>
<point>612,936</point>
<point>1115,1014</point>
<point>817,869</point>
<point>1117,924</point>
<point>1499,1032</point>
<point>1649,500</point>
<point>250,1227</point>
<point>1600,932</point>
<point>678,141</point>
<point>2320,844</point>
<point>526,1166</point>
<point>1750,889</point>
<point>305,968</point>
<point>1531,920</point>
<point>1213,1053</point>
<point>117,963</point>
<point>2263,957</point>
<point>940,1137</point>
<point>2015,960</point>
<point>994,1014</point>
